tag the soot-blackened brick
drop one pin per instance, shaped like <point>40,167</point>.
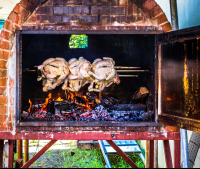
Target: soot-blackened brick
<point>91,19</point>
<point>49,18</point>
<point>130,19</point>
<point>68,18</point>
<point>89,2</point>
<point>81,10</point>
<point>67,2</point>
<point>100,10</point>
<point>63,10</point>
<point>118,10</point>
<point>27,5</point>
<point>45,10</point>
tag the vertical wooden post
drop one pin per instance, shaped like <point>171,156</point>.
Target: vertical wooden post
<point>10,155</point>
<point>1,153</point>
<point>167,151</point>
<point>177,154</point>
<point>19,151</point>
<point>26,151</point>
<point>151,154</point>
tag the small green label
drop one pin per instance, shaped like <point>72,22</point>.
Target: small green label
<point>78,41</point>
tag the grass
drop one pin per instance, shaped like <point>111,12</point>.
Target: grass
<point>77,158</point>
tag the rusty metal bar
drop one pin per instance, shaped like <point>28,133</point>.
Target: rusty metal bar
<point>147,154</point>
<point>89,135</point>
<point>122,154</point>
<point>1,153</point>
<point>132,70</point>
<point>177,154</point>
<point>36,156</point>
<point>167,151</point>
<point>26,151</point>
<point>19,151</point>
<point>151,154</point>
<point>155,153</point>
<point>10,155</point>
<point>126,67</point>
<point>128,75</point>
<point>174,15</point>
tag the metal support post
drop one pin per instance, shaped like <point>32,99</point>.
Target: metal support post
<point>26,151</point>
<point>184,148</point>
<point>174,15</point>
<point>151,154</point>
<point>19,151</point>
<point>167,151</point>
<point>1,153</point>
<point>177,154</point>
<point>122,154</point>
<point>10,155</point>
<point>155,153</point>
<point>147,154</point>
<point>36,156</point>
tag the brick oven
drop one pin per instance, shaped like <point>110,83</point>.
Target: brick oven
<point>132,33</point>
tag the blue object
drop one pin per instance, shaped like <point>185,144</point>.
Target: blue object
<point>1,24</point>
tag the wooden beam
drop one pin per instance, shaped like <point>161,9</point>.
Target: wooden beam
<point>10,155</point>
<point>36,156</point>
<point>1,153</point>
<point>122,154</point>
<point>167,151</point>
<point>26,151</point>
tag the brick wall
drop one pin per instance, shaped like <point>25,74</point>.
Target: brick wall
<point>67,15</point>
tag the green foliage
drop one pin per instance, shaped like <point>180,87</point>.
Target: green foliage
<point>117,161</point>
<point>78,41</point>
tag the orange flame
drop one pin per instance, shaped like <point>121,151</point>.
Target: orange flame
<point>46,102</point>
<point>59,99</point>
<point>29,110</point>
<point>98,100</point>
<point>169,99</point>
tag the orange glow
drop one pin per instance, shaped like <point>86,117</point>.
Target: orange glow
<point>59,99</point>
<point>29,110</point>
<point>169,99</point>
<point>98,100</point>
<point>46,102</point>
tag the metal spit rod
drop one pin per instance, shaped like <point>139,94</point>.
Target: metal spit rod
<point>132,70</point>
<point>128,75</point>
<point>126,67</point>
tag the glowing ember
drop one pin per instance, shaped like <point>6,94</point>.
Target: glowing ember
<point>29,110</point>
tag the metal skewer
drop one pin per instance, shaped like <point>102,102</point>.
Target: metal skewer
<point>128,75</point>
<point>125,67</point>
<point>132,70</point>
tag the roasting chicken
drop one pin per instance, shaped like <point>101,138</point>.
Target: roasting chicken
<point>79,75</point>
<point>54,71</point>
<point>104,74</point>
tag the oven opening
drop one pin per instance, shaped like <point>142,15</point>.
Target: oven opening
<point>90,78</point>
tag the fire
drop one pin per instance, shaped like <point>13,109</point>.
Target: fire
<point>98,100</point>
<point>59,99</point>
<point>29,110</point>
<point>169,99</point>
<point>46,102</point>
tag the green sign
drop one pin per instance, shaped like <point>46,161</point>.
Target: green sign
<point>78,41</point>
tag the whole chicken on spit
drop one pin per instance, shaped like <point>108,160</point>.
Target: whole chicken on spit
<point>79,75</point>
<point>53,72</point>
<point>104,74</point>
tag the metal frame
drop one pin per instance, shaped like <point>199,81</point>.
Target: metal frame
<point>177,152</point>
<point>23,125</point>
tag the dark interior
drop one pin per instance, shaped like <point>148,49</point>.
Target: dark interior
<point>126,50</point>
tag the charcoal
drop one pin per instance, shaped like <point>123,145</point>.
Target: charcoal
<point>128,107</point>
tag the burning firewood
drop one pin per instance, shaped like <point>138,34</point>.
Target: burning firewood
<point>141,93</point>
